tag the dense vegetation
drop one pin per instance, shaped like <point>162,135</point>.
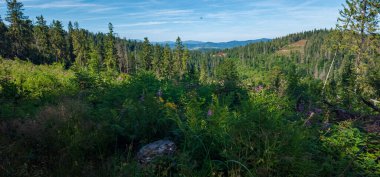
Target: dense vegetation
<point>76,103</point>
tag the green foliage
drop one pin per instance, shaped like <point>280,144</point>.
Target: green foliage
<point>167,62</point>
<point>227,75</point>
<point>256,139</point>
<point>274,145</point>
<point>28,86</point>
<point>41,37</point>
<point>80,48</point>
<point>351,152</point>
<point>110,52</point>
<point>230,112</point>
<point>94,116</point>
<point>58,42</point>
<point>95,64</point>
<point>358,39</point>
<point>19,30</point>
<point>3,38</point>
<point>143,114</point>
<point>146,55</point>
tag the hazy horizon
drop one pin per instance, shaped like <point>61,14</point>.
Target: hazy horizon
<point>200,20</point>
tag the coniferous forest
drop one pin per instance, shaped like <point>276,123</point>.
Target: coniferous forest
<point>78,103</point>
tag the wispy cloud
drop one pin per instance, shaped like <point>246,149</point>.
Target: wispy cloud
<point>172,12</point>
<point>152,23</point>
<point>62,4</point>
<point>103,9</point>
<point>173,15</point>
<point>141,24</point>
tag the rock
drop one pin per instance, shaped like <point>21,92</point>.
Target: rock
<point>156,149</point>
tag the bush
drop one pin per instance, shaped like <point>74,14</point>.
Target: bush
<point>350,152</point>
<point>63,128</point>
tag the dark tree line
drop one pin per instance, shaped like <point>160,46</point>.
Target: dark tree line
<point>44,43</point>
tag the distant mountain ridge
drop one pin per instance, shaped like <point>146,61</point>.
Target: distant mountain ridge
<point>195,45</point>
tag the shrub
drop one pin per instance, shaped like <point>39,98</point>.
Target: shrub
<point>350,152</point>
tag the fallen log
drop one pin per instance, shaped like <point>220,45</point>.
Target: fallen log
<point>371,105</point>
<point>343,114</point>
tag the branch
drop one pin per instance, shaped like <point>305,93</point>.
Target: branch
<point>371,105</point>
<point>345,115</point>
<point>341,113</point>
<point>331,67</point>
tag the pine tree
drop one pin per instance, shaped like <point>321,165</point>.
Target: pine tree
<point>146,54</point>
<point>167,63</point>
<point>3,39</point>
<point>79,46</point>
<point>227,75</point>
<point>359,27</point>
<point>20,29</point>
<point>347,81</point>
<point>69,43</point>
<point>157,60</point>
<point>94,63</point>
<point>184,59</point>
<point>178,57</point>
<point>122,55</point>
<point>41,38</point>
<point>110,55</point>
<point>358,22</point>
<point>57,38</point>
<point>203,74</point>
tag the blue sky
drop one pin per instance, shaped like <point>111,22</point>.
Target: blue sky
<point>203,20</point>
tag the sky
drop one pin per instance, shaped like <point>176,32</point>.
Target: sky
<point>200,20</point>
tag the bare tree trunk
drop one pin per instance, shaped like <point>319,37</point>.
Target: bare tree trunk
<point>362,34</point>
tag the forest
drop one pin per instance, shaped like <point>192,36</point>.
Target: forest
<point>78,103</point>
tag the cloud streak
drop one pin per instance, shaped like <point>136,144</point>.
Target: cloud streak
<point>153,23</point>
<point>62,4</point>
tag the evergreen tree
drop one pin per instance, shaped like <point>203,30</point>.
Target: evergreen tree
<point>359,21</point>
<point>178,57</point>
<point>69,43</point>
<point>110,55</point>
<point>79,46</point>
<point>57,37</point>
<point>184,59</point>
<point>146,54</point>
<point>20,29</point>
<point>347,81</point>
<point>227,75</point>
<point>41,38</point>
<point>94,63</point>
<point>167,63</point>
<point>122,55</point>
<point>3,39</point>
<point>359,27</point>
<point>157,60</point>
<point>203,73</point>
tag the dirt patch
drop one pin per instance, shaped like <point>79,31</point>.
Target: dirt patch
<point>294,47</point>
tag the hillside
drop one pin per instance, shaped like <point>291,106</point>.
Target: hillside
<point>198,45</point>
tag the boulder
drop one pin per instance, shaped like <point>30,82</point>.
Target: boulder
<point>156,149</point>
